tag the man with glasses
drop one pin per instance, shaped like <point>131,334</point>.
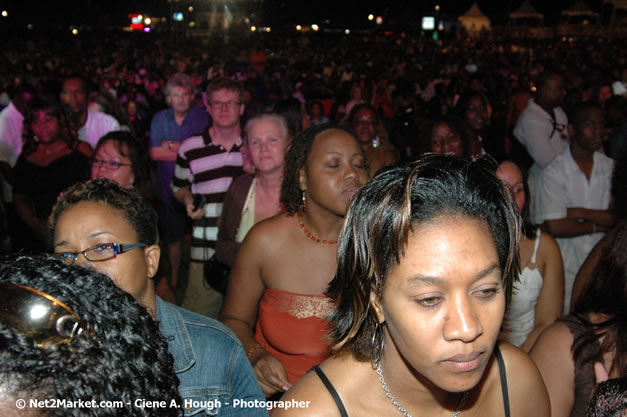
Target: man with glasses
<point>206,165</point>
<point>541,127</point>
<point>169,128</point>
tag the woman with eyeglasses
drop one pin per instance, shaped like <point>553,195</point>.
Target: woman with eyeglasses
<point>52,159</point>
<point>68,333</point>
<point>113,229</point>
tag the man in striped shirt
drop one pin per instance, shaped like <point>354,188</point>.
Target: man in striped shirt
<point>206,165</point>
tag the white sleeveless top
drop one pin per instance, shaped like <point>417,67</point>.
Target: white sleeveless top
<point>521,315</point>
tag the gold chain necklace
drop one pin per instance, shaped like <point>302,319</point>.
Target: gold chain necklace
<point>311,236</point>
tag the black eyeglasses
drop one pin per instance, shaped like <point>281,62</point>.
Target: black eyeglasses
<point>39,316</point>
<point>114,165</point>
<point>101,252</point>
<point>224,104</point>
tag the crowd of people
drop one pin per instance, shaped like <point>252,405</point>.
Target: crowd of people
<point>373,235</point>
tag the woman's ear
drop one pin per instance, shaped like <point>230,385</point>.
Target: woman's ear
<point>152,254</point>
<point>375,303</point>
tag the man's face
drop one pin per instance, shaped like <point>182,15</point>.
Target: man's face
<point>74,95</point>
<point>225,108</point>
<point>364,125</point>
<point>180,99</point>
<point>554,91</point>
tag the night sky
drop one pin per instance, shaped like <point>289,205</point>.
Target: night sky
<point>276,11</point>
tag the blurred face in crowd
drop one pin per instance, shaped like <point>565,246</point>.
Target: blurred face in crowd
<point>180,99</point>
<point>364,125</point>
<point>476,114</point>
<point>588,129</point>
<point>111,162</point>
<point>74,95</point>
<point>510,174</point>
<point>266,144</point>
<point>445,140</point>
<point>45,127</point>
<point>553,92</point>
<point>225,108</point>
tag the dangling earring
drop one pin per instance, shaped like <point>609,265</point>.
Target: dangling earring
<point>304,202</point>
<point>376,346</point>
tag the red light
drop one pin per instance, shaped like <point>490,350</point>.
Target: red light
<point>138,26</point>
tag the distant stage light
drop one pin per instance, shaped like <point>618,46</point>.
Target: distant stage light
<point>147,21</point>
<point>190,8</point>
<point>347,31</point>
<point>299,27</point>
<point>253,28</point>
<point>379,20</point>
<point>315,27</point>
<point>370,16</point>
<point>5,13</point>
<point>268,29</point>
<point>74,31</point>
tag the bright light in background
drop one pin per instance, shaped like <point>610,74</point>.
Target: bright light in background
<point>253,28</point>
<point>299,27</point>
<point>146,30</point>
<point>347,31</point>
<point>178,16</point>
<point>379,20</point>
<point>140,17</point>
<point>4,13</point>
<point>268,29</point>
<point>190,8</point>
<point>74,31</point>
<point>370,16</point>
<point>147,21</point>
<point>315,27</point>
<point>437,7</point>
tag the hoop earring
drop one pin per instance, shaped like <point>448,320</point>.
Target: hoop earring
<point>376,346</point>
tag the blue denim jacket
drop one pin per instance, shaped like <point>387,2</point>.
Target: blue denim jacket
<point>211,364</point>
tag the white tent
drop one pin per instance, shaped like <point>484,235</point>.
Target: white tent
<point>526,11</point>
<point>473,20</point>
<point>578,9</point>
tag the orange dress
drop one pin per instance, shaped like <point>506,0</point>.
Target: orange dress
<point>292,327</point>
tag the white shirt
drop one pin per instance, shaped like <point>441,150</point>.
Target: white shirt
<point>562,185</point>
<point>535,131</point>
<point>11,124</point>
<point>97,125</point>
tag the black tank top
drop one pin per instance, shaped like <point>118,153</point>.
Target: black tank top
<point>343,413</point>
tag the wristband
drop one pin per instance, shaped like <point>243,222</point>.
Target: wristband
<point>256,346</point>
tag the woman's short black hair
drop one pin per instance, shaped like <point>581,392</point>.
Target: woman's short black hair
<point>119,356</point>
<point>54,109</point>
<point>383,213</point>
<point>296,158</point>
<point>135,209</point>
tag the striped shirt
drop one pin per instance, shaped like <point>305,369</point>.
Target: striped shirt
<point>207,169</point>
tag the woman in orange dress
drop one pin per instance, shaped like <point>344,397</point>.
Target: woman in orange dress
<point>275,302</point>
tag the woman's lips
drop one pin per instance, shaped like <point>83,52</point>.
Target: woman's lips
<point>463,362</point>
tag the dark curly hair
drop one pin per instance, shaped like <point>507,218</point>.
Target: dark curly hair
<point>137,211</point>
<point>380,218</point>
<point>296,158</point>
<point>120,356</point>
<point>51,108</point>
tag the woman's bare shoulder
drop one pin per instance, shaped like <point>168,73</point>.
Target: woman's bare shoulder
<point>307,398</point>
<point>274,228</point>
<point>527,393</point>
